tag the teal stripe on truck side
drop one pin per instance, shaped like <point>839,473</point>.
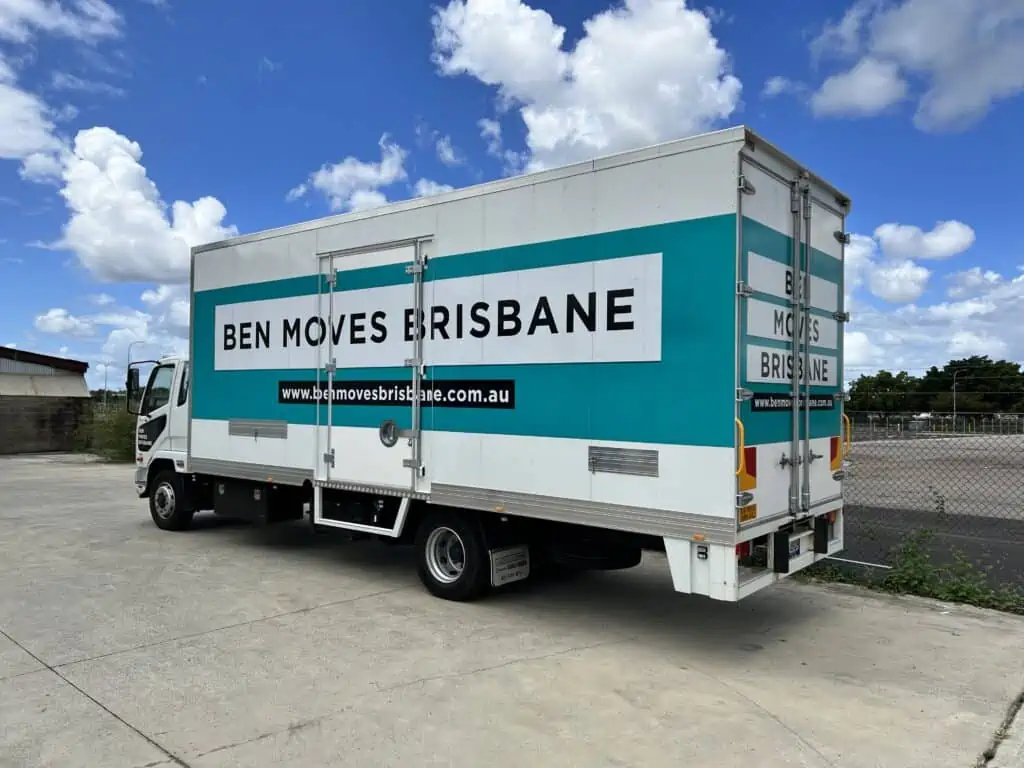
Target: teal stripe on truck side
<point>686,398</point>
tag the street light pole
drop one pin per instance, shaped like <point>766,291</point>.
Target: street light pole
<point>137,341</point>
<point>955,374</point>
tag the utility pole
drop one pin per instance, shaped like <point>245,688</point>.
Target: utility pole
<point>956,373</point>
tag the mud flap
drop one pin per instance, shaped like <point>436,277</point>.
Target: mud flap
<point>821,536</point>
<point>780,552</point>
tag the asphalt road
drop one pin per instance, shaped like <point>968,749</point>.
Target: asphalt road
<point>122,645</point>
<point>965,490</point>
<point>971,476</point>
<point>995,546</point>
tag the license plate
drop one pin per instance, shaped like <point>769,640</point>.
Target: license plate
<point>794,547</point>
<point>509,564</point>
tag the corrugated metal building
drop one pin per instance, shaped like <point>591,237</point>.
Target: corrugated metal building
<point>43,399</point>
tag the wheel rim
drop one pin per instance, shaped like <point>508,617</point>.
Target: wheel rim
<point>446,555</point>
<point>163,500</point>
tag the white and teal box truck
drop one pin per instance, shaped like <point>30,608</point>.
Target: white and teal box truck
<point>558,369</point>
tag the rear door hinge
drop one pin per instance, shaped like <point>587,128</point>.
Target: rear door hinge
<point>415,464</point>
<point>332,366</point>
<point>745,186</point>
<point>842,237</point>
<point>744,289</point>
<point>842,317</point>
<point>332,279</point>
<point>329,458</point>
<point>743,394</point>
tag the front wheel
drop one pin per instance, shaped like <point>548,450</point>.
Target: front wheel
<point>167,503</point>
<point>452,558</point>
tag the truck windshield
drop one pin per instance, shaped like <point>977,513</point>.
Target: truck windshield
<point>158,389</point>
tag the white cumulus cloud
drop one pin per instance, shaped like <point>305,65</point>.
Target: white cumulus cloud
<point>26,122</point>
<point>60,321</point>
<point>947,239</point>
<point>84,20</point>
<point>355,184</point>
<point>447,153</point>
<point>644,71</point>
<point>859,351</point>
<point>870,87</point>
<point>885,262</point>
<point>120,228</point>
<point>898,282</point>
<point>971,281</point>
<point>967,55</point>
<point>427,187</point>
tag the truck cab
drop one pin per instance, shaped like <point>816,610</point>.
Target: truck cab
<point>161,433</point>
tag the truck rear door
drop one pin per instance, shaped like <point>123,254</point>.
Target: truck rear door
<point>790,308</point>
<point>371,375</point>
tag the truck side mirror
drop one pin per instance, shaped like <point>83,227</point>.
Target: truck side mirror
<point>131,386</point>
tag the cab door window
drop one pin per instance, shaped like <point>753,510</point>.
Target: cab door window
<point>185,381</point>
<point>158,391</point>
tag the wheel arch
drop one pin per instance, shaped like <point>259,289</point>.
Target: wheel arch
<point>155,468</point>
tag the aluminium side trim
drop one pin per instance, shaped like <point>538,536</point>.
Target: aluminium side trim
<point>380,490</point>
<point>653,522</point>
<point>258,472</point>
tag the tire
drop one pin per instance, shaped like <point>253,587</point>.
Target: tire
<point>167,502</point>
<point>442,540</point>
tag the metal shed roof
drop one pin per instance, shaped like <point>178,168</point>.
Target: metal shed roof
<point>35,358</point>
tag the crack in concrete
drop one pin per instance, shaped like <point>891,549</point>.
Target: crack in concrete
<point>511,662</point>
<point>16,675</point>
<point>769,714</point>
<point>291,730</point>
<point>239,625</point>
<point>294,728</point>
<point>153,742</point>
<point>1002,732</point>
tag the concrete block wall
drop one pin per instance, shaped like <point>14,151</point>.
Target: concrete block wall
<point>40,424</point>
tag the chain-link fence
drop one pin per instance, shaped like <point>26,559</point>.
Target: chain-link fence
<point>957,477</point>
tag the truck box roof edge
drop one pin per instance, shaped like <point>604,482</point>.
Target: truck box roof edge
<point>672,147</point>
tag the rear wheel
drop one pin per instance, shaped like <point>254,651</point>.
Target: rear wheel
<point>452,557</point>
<point>167,505</point>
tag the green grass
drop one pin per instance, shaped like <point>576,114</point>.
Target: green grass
<point>913,572</point>
<point>110,434</point>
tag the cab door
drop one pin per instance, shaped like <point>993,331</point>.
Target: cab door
<point>154,411</point>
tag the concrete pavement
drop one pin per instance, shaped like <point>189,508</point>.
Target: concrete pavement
<point>123,645</point>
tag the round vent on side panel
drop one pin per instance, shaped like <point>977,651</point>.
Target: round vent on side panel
<point>388,433</point>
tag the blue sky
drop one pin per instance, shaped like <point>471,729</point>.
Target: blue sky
<point>110,113</point>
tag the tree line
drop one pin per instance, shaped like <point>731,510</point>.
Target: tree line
<point>983,386</point>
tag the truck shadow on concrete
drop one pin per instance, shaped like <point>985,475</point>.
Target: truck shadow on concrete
<point>637,603</point>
